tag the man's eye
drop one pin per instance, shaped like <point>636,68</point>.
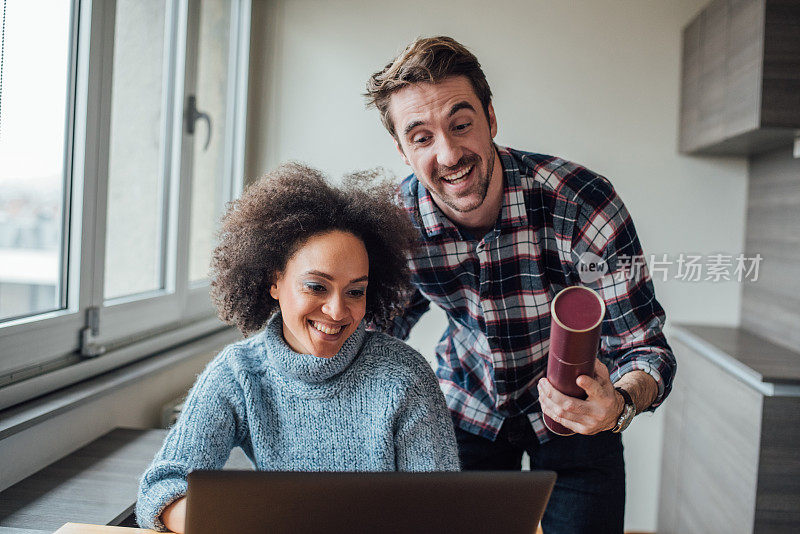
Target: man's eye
<point>463,126</point>
<point>421,139</point>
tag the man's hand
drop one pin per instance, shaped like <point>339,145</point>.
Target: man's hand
<point>597,413</point>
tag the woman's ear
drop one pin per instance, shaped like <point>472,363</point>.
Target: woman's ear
<point>273,289</point>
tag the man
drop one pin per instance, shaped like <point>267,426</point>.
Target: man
<point>501,232</point>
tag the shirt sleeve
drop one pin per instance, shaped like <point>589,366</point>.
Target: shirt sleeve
<point>401,325</point>
<point>208,428</point>
<point>631,335</point>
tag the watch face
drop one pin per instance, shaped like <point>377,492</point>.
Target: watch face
<point>627,417</point>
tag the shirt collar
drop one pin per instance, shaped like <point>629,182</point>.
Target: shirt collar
<point>512,211</point>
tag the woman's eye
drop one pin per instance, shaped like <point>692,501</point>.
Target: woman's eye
<point>358,293</point>
<point>316,288</point>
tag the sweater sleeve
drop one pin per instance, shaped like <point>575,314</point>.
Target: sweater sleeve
<point>424,436</point>
<point>209,427</point>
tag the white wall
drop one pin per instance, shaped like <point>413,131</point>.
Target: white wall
<point>595,81</point>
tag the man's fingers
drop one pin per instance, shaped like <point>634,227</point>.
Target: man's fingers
<point>576,423</point>
<point>572,425</point>
<point>551,395</point>
<point>578,415</point>
<point>591,386</point>
<point>547,389</point>
<point>595,386</point>
<point>601,371</point>
<point>555,403</point>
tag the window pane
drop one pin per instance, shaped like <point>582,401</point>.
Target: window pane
<point>35,77</point>
<point>135,216</point>
<point>209,174</point>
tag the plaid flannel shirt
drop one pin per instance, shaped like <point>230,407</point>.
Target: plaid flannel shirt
<point>497,290</point>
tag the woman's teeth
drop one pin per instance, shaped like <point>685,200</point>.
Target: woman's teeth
<point>457,176</point>
<point>330,330</point>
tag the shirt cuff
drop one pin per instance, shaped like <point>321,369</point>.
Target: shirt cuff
<point>650,369</point>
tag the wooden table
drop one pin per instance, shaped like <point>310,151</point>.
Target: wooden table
<point>81,528</point>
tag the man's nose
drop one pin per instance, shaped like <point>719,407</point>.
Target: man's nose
<point>335,308</point>
<point>448,152</point>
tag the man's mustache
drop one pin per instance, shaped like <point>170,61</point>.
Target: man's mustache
<point>465,161</point>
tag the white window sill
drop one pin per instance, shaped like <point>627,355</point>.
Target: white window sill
<point>27,414</point>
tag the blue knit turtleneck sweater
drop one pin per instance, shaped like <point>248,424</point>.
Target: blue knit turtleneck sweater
<point>374,406</point>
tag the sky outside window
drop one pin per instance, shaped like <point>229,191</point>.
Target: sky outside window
<point>32,144</point>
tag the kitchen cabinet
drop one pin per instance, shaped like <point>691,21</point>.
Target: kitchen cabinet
<point>740,78</point>
<point>731,457</point>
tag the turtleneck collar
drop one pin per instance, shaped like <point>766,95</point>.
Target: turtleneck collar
<point>307,368</point>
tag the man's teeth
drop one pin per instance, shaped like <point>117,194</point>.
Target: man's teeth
<point>456,176</point>
<point>326,329</point>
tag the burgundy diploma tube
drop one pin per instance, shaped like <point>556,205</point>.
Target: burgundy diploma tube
<point>576,315</point>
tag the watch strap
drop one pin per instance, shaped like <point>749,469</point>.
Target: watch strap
<point>626,397</point>
<point>628,412</point>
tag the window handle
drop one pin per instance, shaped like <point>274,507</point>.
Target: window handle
<point>89,333</point>
<point>193,115</point>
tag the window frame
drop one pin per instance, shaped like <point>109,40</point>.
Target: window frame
<point>235,127</point>
<point>152,309</point>
<point>44,349</point>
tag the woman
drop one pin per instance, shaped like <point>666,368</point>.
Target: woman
<point>314,391</point>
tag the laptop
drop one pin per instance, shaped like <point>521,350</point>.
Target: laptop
<point>220,502</point>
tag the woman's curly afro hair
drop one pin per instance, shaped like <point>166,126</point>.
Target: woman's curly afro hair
<point>275,216</point>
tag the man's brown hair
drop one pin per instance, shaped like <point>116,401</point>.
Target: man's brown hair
<point>427,59</point>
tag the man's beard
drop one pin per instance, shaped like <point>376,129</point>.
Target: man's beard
<point>480,187</point>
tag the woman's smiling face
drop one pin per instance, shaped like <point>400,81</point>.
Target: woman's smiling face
<point>322,293</point>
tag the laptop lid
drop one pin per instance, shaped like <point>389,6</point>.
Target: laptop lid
<point>219,502</point>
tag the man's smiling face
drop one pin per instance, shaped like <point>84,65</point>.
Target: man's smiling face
<point>443,133</point>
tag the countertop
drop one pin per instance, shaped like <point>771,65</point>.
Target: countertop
<point>752,358</point>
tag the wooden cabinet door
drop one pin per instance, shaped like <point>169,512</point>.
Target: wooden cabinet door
<point>745,46</point>
<point>713,44</point>
<point>690,86</point>
<point>711,450</point>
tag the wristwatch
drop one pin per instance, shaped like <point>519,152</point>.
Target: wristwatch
<point>628,411</point>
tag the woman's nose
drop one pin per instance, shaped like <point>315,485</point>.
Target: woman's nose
<point>334,308</point>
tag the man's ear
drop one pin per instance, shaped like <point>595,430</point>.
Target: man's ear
<point>492,121</point>
<point>400,150</point>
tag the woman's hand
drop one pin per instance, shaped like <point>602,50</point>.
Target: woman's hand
<point>174,516</point>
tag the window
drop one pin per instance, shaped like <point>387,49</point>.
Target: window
<point>212,182</point>
<point>33,107</point>
<point>136,225</point>
<point>121,140</point>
